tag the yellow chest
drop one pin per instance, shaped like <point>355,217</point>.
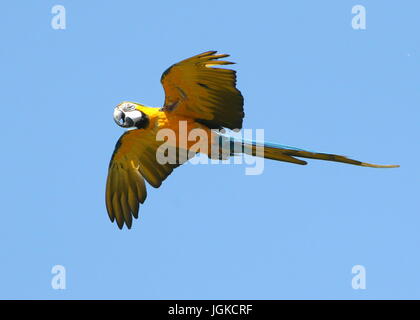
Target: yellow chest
<point>181,130</point>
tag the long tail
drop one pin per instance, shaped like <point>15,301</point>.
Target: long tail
<point>280,152</point>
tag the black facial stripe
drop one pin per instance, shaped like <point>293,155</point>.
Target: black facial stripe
<point>143,123</point>
<point>129,122</point>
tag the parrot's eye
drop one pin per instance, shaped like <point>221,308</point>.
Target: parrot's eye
<point>128,107</point>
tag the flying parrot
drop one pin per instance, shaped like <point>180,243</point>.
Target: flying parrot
<point>200,95</point>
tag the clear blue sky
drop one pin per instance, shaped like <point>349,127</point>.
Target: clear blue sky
<point>308,79</point>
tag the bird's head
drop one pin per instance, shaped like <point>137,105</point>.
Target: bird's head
<point>129,115</point>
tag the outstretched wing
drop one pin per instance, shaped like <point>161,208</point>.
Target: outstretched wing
<point>195,88</point>
<point>133,161</point>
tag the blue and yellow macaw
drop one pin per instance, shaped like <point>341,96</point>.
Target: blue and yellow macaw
<point>201,95</point>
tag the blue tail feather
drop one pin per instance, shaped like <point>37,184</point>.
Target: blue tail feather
<point>266,144</point>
